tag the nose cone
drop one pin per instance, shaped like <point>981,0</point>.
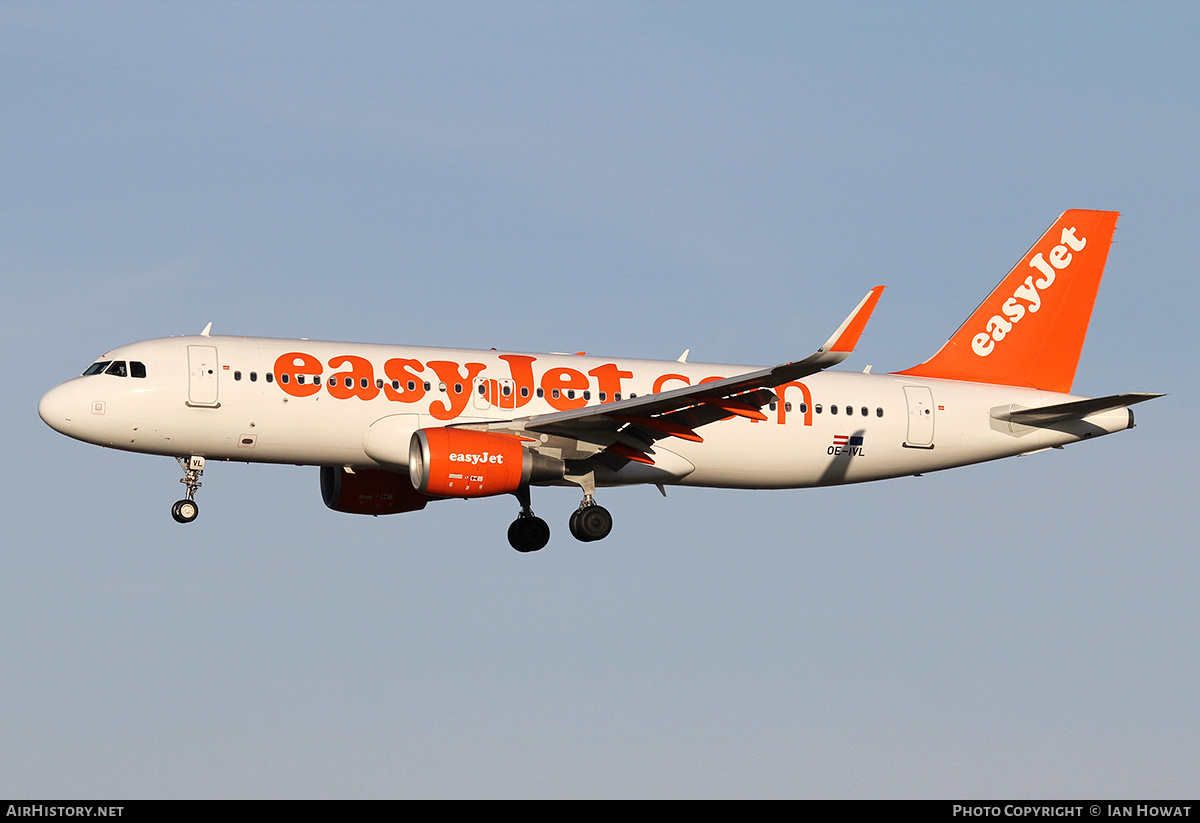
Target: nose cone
<point>58,408</point>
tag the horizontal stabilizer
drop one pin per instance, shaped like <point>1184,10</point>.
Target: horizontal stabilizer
<point>1076,410</point>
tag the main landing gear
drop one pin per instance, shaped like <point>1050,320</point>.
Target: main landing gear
<point>529,533</point>
<point>185,510</point>
<point>590,521</point>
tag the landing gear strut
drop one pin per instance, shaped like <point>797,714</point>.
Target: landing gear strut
<point>185,510</point>
<point>590,521</point>
<point>528,533</point>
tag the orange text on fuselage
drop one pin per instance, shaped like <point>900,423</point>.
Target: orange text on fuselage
<point>300,374</point>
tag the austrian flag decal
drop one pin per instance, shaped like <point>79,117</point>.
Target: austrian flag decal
<point>846,444</point>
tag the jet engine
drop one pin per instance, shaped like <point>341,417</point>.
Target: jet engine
<point>468,463</point>
<point>369,491</point>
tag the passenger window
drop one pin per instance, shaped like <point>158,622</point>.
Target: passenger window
<point>300,379</point>
<point>237,375</point>
<point>283,378</point>
<point>879,412</point>
<point>787,407</point>
<point>833,409</point>
<point>482,388</point>
<point>270,377</point>
<point>524,391</point>
<point>253,377</point>
<point>817,408</point>
<point>137,369</point>
<point>804,408</point>
<point>865,412</point>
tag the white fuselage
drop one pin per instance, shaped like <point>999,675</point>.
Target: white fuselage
<point>225,398</point>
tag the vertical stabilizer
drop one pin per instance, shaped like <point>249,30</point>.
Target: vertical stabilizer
<point>1030,329</point>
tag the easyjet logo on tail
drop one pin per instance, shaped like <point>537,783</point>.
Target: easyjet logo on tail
<point>1027,298</point>
<point>1030,329</point>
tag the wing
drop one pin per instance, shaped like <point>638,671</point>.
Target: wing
<point>626,429</point>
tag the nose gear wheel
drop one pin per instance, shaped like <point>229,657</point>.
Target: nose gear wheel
<point>185,510</point>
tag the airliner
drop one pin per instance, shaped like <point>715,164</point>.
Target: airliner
<point>394,427</point>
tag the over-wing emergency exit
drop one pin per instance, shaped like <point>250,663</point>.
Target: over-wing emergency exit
<point>394,427</point>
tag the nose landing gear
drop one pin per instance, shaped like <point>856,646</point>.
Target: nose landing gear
<point>185,510</point>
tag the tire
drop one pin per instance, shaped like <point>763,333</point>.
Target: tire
<point>593,523</point>
<point>185,511</point>
<point>576,531</point>
<point>528,534</point>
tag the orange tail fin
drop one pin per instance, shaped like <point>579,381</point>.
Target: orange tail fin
<point>1030,330</point>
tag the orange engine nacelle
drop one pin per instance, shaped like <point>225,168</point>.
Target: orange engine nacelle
<point>369,491</point>
<point>468,463</point>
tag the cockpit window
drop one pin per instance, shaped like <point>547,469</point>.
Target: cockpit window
<point>116,368</point>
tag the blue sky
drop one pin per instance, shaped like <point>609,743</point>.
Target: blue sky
<point>627,179</point>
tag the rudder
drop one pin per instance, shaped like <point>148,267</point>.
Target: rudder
<point>1030,330</point>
